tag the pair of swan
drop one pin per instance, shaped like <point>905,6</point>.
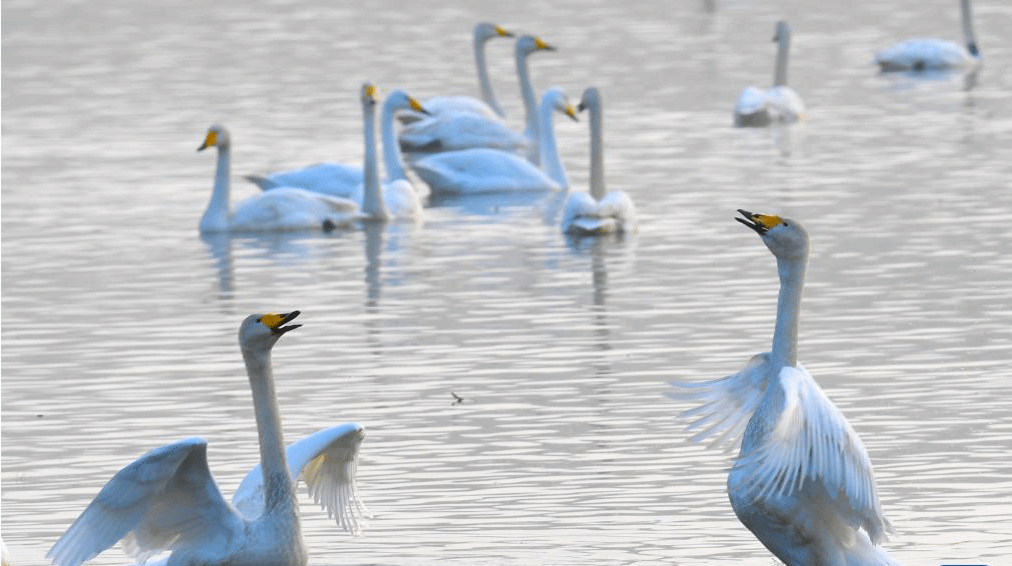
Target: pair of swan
<point>779,104</point>
<point>597,212</point>
<point>167,500</point>
<point>457,130</point>
<point>923,54</point>
<point>484,170</point>
<point>802,481</point>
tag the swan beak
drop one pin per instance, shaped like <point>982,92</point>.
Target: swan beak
<point>540,44</point>
<point>503,32</point>
<point>761,223</point>
<point>276,322</point>
<point>209,141</point>
<point>571,113</point>
<point>417,106</point>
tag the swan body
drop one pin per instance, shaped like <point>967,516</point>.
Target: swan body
<point>923,54</point>
<point>400,199</point>
<point>481,170</point>
<point>597,212</point>
<point>282,209</point>
<point>454,131</point>
<point>779,104</point>
<point>802,481</point>
<point>167,500</point>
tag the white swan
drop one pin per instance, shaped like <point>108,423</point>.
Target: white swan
<point>281,209</point>
<point>933,54</point>
<point>349,181</point>
<point>802,482</point>
<point>777,104</point>
<point>481,170</point>
<point>599,212</point>
<point>465,130</point>
<point>167,501</point>
<point>488,105</point>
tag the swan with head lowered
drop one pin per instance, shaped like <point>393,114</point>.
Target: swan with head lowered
<point>281,209</point>
<point>779,104</point>
<point>923,54</point>
<point>393,197</point>
<point>464,130</point>
<point>802,481</point>
<point>167,500</point>
<point>482,170</point>
<point>600,211</point>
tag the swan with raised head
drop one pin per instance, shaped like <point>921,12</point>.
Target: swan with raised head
<point>922,54</point>
<point>802,481</point>
<point>398,193</point>
<point>481,170</point>
<point>465,130</point>
<point>281,209</point>
<point>600,211</point>
<point>167,500</point>
<point>779,104</point>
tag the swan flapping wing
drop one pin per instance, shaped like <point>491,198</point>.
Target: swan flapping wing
<point>327,460</point>
<point>813,442</point>
<point>164,500</point>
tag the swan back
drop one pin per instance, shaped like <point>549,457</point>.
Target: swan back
<point>922,54</point>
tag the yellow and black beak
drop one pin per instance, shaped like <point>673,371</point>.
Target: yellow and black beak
<point>540,44</point>
<point>209,141</point>
<point>417,106</point>
<point>571,112</point>
<point>276,322</point>
<point>761,223</point>
<point>503,32</point>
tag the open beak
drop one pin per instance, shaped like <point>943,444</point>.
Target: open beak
<point>761,223</point>
<point>277,322</point>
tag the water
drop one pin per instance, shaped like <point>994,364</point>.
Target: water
<point>119,320</point>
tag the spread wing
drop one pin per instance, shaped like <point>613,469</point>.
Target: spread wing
<point>327,460</point>
<point>165,500</point>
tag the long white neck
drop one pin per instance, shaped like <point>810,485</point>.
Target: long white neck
<point>391,148</point>
<point>785,334</point>
<point>552,165</point>
<point>783,48</point>
<point>530,105</point>
<point>277,480</point>
<point>215,218</point>
<point>372,198</point>
<point>597,188</point>
<point>487,94</point>
<point>968,37</point>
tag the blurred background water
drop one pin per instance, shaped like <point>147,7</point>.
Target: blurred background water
<point>119,320</point>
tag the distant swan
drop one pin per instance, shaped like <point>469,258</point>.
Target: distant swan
<point>777,104</point>
<point>598,212</point>
<point>281,209</point>
<point>933,54</point>
<point>480,170</point>
<point>802,481</point>
<point>167,500</point>
<point>465,130</point>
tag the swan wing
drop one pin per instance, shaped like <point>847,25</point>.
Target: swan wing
<point>784,104</point>
<point>327,460</point>
<point>336,179</point>
<point>461,130</point>
<point>290,209</point>
<point>480,170</point>
<point>727,404</point>
<point>165,500</point>
<point>813,442</point>
<point>922,54</point>
<point>401,199</point>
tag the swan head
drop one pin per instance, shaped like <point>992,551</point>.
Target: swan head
<point>784,237</point>
<point>485,31</point>
<point>217,136</point>
<point>591,98</point>
<point>783,33</point>
<point>528,44</point>
<point>261,331</point>
<point>556,98</point>
<point>369,94</point>
<point>400,100</point>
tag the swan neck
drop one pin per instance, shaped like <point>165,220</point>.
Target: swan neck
<point>530,103</point>
<point>597,187</point>
<point>967,20</point>
<point>277,480</point>
<point>550,161</point>
<point>785,334</point>
<point>215,218</point>
<point>487,94</point>
<point>372,198</point>
<point>783,48</point>
<point>391,149</point>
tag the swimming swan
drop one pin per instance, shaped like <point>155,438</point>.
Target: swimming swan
<point>464,130</point>
<point>802,481</point>
<point>167,500</point>
<point>933,54</point>
<point>281,209</point>
<point>481,170</point>
<point>598,212</point>
<point>777,104</point>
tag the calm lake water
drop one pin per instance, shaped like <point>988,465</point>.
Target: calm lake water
<point>119,320</point>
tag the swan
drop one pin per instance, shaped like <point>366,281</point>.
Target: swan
<point>348,181</point>
<point>482,170</point>
<point>488,105</point>
<point>167,500</point>
<point>933,54</point>
<point>464,130</point>
<point>598,212</point>
<point>777,104</point>
<point>281,209</point>
<point>802,481</point>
